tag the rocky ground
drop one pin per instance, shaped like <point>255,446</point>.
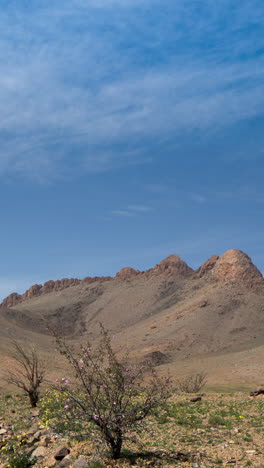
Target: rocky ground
<point>219,430</point>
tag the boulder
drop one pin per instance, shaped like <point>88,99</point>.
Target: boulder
<point>81,462</point>
<point>67,461</point>
<point>61,453</point>
<point>39,452</point>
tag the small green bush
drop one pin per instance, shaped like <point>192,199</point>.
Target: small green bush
<point>95,464</point>
<point>21,460</point>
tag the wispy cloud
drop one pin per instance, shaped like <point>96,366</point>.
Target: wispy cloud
<point>140,208</point>
<point>124,213</point>
<point>132,210</point>
<point>76,95</point>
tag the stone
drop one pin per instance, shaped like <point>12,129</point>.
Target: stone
<point>61,453</point>
<point>67,461</point>
<point>33,430</point>
<point>258,391</point>
<point>81,462</point>
<point>45,441</point>
<point>195,399</point>
<point>39,452</point>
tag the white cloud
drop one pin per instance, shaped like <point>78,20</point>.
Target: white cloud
<point>66,96</point>
<point>125,213</point>
<point>132,210</point>
<point>140,208</point>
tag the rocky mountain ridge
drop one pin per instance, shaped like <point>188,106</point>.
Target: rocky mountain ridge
<point>233,266</point>
<point>182,319</point>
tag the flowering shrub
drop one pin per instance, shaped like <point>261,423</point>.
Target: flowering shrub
<point>14,453</point>
<point>21,460</point>
<point>108,393</point>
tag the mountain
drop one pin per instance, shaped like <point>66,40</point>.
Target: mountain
<point>210,319</point>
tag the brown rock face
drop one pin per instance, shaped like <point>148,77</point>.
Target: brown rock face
<point>127,273</point>
<point>235,265</point>
<point>11,300</point>
<point>207,266</point>
<point>38,290</point>
<point>34,291</point>
<point>59,285</point>
<point>172,266</point>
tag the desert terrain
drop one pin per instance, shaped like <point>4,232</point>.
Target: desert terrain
<point>210,319</point>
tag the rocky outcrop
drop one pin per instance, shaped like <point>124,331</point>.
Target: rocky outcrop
<point>207,266</point>
<point>11,300</point>
<point>171,266</point>
<point>59,285</point>
<point>34,291</point>
<point>235,265</point>
<point>94,279</point>
<point>38,290</point>
<point>127,273</point>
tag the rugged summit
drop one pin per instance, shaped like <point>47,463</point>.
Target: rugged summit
<point>172,266</point>
<point>207,266</point>
<point>38,290</point>
<point>169,311</point>
<point>127,273</point>
<point>233,266</point>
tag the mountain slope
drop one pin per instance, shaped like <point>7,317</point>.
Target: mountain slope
<point>186,315</point>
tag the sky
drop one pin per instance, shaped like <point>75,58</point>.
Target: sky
<point>129,130</point>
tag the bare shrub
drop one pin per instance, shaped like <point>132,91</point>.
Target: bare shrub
<point>108,394</point>
<point>28,374</point>
<point>193,383</point>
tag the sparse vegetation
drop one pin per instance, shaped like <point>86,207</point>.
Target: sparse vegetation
<point>29,372</point>
<point>109,394</point>
<point>21,460</point>
<point>180,434</point>
<point>192,383</point>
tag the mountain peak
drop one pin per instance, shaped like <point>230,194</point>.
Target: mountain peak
<point>207,266</point>
<point>235,265</point>
<point>173,265</point>
<point>172,260</point>
<point>127,273</point>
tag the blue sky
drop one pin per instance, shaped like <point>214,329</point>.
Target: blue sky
<point>130,130</point>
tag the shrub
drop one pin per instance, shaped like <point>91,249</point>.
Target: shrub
<point>108,393</point>
<point>193,383</point>
<point>21,460</point>
<point>29,371</point>
<point>14,455</point>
